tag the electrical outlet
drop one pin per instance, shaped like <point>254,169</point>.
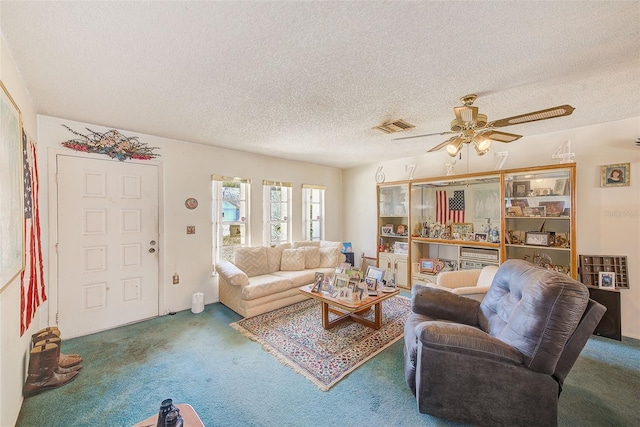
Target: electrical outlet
<point>176,279</point>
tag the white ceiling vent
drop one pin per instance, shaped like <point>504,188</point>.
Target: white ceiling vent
<point>394,126</point>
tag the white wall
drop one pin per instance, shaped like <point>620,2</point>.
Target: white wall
<point>187,170</point>
<point>608,218</point>
<point>13,348</point>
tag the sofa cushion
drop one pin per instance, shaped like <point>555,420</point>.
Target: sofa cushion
<point>253,261</point>
<point>292,259</point>
<point>330,244</point>
<point>266,284</point>
<point>331,256</point>
<point>311,257</point>
<point>298,277</point>
<point>306,243</point>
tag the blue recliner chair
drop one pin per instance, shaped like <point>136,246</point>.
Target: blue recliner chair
<point>502,361</point>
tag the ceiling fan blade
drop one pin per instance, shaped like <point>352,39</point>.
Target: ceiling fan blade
<point>429,134</point>
<point>442,145</point>
<point>549,113</point>
<point>496,135</point>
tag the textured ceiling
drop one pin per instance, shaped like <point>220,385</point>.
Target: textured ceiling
<point>308,80</point>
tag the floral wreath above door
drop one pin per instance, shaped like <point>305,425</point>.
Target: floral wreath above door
<point>112,143</point>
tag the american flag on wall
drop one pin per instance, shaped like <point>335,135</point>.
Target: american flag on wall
<point>456,206</point>
<point>449,209</point>
<point>32,289</point>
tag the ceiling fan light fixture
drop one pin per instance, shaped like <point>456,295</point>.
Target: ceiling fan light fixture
<point>454,147</point>
<point>481,143</point>
<point>482,147</point>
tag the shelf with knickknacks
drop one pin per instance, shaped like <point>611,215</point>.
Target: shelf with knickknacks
<point>457,224</point>
<point>538,216</point>
<point>473,220</point>
<point>393,230</point>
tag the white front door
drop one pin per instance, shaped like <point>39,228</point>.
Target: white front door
<point>107,244</point>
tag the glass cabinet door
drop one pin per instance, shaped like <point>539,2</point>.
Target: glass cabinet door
<point>393,229</point>
<point>539,217</point>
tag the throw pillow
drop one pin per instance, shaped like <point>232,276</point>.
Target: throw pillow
<point>292,260</point>
<point>253,261</point>
<point>274,255</point>
<point>311,257</point>
<point>331,257</point>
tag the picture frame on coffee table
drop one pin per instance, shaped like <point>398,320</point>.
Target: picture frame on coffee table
<point>340,281</point>
<point>372,285</point>
<point>375,273</point>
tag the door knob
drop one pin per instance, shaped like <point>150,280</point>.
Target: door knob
<point>151,250</point>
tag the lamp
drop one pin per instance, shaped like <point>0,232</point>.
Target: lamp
<point>481,144</point>
<point>454,146</point>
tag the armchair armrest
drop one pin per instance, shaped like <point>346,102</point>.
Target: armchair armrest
<point>231,274</point>
<point>444,305</point>
<point>466,340</point>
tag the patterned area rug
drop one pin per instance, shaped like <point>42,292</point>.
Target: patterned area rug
<point>295,335</point>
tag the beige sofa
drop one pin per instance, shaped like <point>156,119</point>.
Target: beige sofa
<point>472,284</point>
<point>262,279</point>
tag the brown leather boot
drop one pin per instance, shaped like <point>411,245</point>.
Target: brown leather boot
<point>66,360</point>
<point>43,362</point>
<point>60,369</point>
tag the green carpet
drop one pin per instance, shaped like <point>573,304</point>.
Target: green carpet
<point>295,336</point>
<point>230,381</point>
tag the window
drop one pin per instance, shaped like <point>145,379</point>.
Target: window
<point>230,215</point>
<point>313,212</point>
<point>277,212</point>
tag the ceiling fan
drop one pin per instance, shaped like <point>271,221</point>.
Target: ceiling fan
<point>471,127</point>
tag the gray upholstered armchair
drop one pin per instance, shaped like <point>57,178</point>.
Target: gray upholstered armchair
<point>501,361</point>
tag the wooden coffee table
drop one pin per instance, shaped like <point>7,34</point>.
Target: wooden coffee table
<point>347,310</point>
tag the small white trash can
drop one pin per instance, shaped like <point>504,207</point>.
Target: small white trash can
<point>197,303</point>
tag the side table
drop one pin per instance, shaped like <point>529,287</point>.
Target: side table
<point>189,417</point>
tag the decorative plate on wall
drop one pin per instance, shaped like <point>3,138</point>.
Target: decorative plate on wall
<point>191,203</point>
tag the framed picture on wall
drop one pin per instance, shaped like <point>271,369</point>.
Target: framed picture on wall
<point>618,175</point>
<point>11,188</point>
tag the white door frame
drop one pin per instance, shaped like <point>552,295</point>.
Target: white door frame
<point>52,170</point>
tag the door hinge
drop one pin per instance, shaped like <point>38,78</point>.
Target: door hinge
<point>57,318</point>
<point>57,249</point>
